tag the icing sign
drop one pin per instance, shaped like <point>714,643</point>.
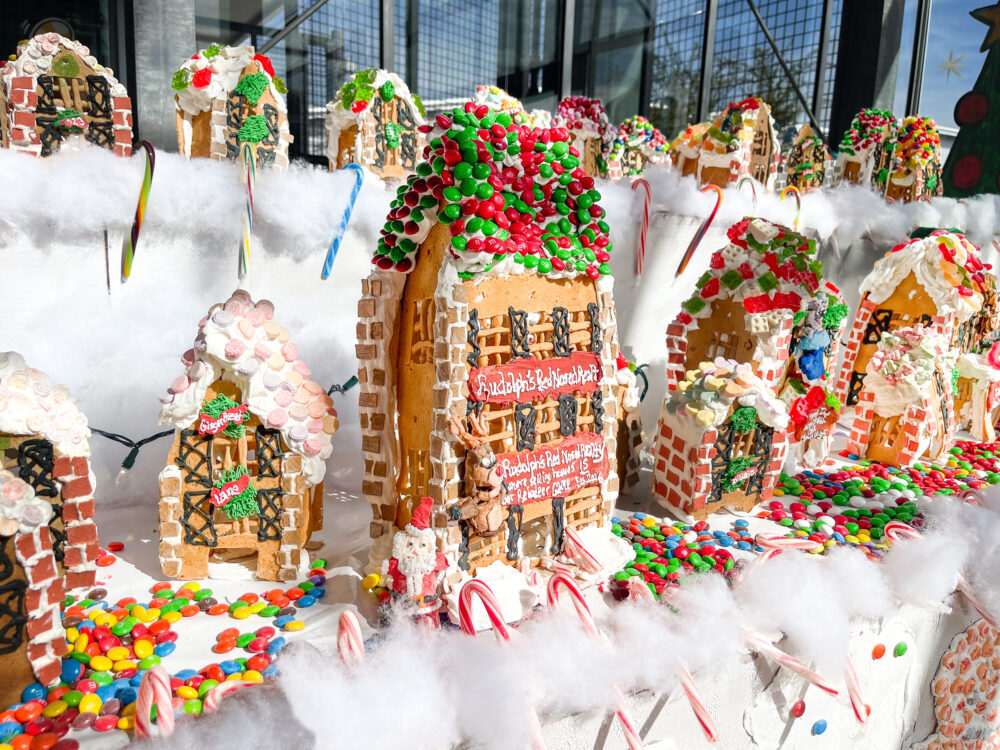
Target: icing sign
<point>554,471</point>
<point>209,425</point>
<point>534,380</point>
<point>229,490</point>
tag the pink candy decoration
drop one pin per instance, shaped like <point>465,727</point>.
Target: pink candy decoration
<point>187,358</point>
<point>350,643</point>
<point>312,446</point>
<point>283,398</point>
<point>265,308</point>
<point>262,351</point>
<point>234,349</point>
<point>290,352</point>
<point>277,417</point>
<point>181,384</point>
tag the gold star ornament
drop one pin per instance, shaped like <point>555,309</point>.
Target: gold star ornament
<point>989,15</point>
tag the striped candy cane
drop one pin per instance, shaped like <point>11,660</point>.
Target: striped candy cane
<point>578,551</point>
<point>757,642</point>
<point>854,693</point>
<point>700,710</point>
<point>132,238</point>
<point>753,188</point>
<point>794,192</point>
<point>561,580</point>
<point>475,587</point>
<point>220,691</point>
<point>350,642</point>
<point>700,234</point>
<point>248,158</point>
<point>331,255</point>
<point>154,688</point>
<point>641,257</point>
<point>774,545</point>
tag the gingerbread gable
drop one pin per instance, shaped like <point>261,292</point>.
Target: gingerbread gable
<point>806,164</point>
<point>54,90</point>
<point>637,144</point>
<point>865,151</point>
<point>686,147</point>
<point>742,142</point>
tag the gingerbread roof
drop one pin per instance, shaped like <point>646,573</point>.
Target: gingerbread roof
<point>904,362</point>
<point>31,405</point>
<point>355,97</point>
<point>40,56</point>
<point>708,394</point>
<point>585,117</point>
<point>499,100</point>
<point>868,128</point>
<point>19,505</point>
<point>945,264</point>
<point>239,342</point>
<point>638,132</point>
<point>736,122</point>
<point>691,137</point>
<point>766,266</point>
<point>213,72</point>
<point>917,145</point>
<point>514,199</point>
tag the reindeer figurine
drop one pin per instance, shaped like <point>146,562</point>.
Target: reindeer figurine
<point>482,505</point>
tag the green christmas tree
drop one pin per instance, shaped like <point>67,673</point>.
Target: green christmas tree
<point>973,165</point>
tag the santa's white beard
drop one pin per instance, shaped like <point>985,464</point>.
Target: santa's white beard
<point>414,564</point>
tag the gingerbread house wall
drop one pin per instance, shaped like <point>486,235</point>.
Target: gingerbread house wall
<point>21,105</point>
<point>81,548</point>
<point>910,423</point>
<point>45,592</point>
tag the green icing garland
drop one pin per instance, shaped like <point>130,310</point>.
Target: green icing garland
<point>736,465</point>
<point>245,503</point>
<point>219,404</point>
<point>743,419</point>
<point>254,129</point>
<point>252,87</point>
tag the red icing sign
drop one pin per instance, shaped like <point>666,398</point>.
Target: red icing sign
<point>214,425</point>
<point>554,471</point>
<point>535,379</point>
<point>225,493</point>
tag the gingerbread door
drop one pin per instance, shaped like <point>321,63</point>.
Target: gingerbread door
<point>749,451</point>
<point>73,99</point>
<point>237,110</point>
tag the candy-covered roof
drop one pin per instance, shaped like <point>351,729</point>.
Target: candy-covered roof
<point>736,122</point>
<point>215,71</point>
<point>20,509</point>
<point>945,264</point>
<point>638,132</point>
<point>585,117</point>
<point>239,342</point>
<point>40,55</point>
<point>355,96</point>
<point>868,128</point>
<point>765,266</point>
<point>499,100</point>
<point>909,356</point>
<point>690,138</point>
<point>917,145</point>
<point>707,394</point>
<point>514,200</point>
<point>31,405</point>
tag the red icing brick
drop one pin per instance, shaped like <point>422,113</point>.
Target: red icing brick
<point>42,572</point>
<point>123,136</point>
<point>77,488</point>
<point>26,548</point>
<point>24,98</point>
<point>77,579</point>
<point>22,82</point>
<point>38,625</point>
<point>121,102</point>
<point>73,557</point>
<point>62,467</point>
<point>48,675</point>
<point>123,150</point>
<point>81,466</point>
<point>82,510</point>
<point>82,535</point>
<point>23,119</point>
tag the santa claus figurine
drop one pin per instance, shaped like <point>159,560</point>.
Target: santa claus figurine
<point>416,568</point>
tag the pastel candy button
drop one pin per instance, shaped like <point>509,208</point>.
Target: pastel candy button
<point>301,368</point>
<point>271,380</point>
<point>290,352</point>
<point>255,317</point>
<point>266,309</point>
<point>234,349</point>
<point>283,398</point>
<point>316,409</point>
<point>276,361</point>
<point>313,387</point>
<point>246,328</point>
<point>271,328</point>
<point>277,417</point>
<point>181,384</point>
<point>312,446</point>
<point>248,367</point>
<point>262,351</point>
<point>294,378</point>
<point>197,370</point>
<point>223,318</point>
<point>236,307</point>
<point>302,396</point>
<point>314,426</point>
<point>298,412</point>
<point>298,433</point>
<point>329,424</point>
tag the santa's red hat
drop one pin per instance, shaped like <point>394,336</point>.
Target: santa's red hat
<point>422,514</point>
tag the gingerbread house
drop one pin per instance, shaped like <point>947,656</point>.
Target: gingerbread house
<point>373,122</point>
<point>637,145</point>
<point>244,476</point>
<point>488,318</point>
<point>906,410</point>
<point>807,161</point>
<point>32,640</point>
<point>499,100</point>
<point>686,147</point>
<point>630,438</point>
<point>742,142</point>
<point>865,151</point>
<point>590,130</point>
<point>719,441</point>
<point>915,170</point>
<point>936,281</point>
<point>745,305</point>
<point>54,91</point>
<point>227,96</point>
<point>977,395</point>
<point>45,440</point>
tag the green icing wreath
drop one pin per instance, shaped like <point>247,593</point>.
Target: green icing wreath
<point>744,419</point>
<point>66,66</point>
<point>254,129</point>
<point>67,114</point>
<point>219,404</point>
<point>252,87</point>
<point>736,465</point>
<point>245,503</point>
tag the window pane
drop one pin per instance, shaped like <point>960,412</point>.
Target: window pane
<point>677,50</point>
<point>953,59</point>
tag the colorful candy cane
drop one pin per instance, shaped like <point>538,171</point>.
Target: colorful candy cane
<point>587,618</point>
<point>694,698</point>
<point>700,234</point>
<point>791,189</point>
<point>214,696</point>
<point>359,177</point>
<point>248,158</point>
<point>132,239</point>
<point>475,587</point>
<point>577,550</point>
<point>854,693</point>
<point>641,257</point>
<point>774,545</point>
<point>154,688</point>
<point>350,642</point>
<point>758,643</point>
<point>897,530</point>
<point>753,188</point>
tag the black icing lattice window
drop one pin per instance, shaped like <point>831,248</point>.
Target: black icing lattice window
<point>47,96</point>
<point>194,457</point>
<point>560,332</point>
<point>854,388</point>
<point>568,408</point>
<point>515,513</point>
<point>729,445</point>
<point>100,96</point>
<point>558,524</point>
<point>378,113</point>
<point>595,328</point>
<point>269,512</point>
<point>597,407</point>
<point>524,427</point>
<point>472,337</point>
<point>101,134</point>
<point>199,530</point>
<point>269,453</point>
<point>408,136</point>
<point>877,325</point>
<point>519,344</point>
<point>13,619</point>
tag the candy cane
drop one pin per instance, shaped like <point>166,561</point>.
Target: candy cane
<point>350,642</point>
<point>579,551</point>
<point>132,238</point>
<point>220,691</point>
<point>774,545</point>
<point>641,257</point>
<point>694,697</point>
<point>753,188</point>
<point>331,255</point>
<point>475,587</point>
<point>700,234</point>
<point>154,688</point>
<point>587,618</point>
<point>757,642</point>
<point>791,189</point>
<point>854,693</point>
<point>248,157</point>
